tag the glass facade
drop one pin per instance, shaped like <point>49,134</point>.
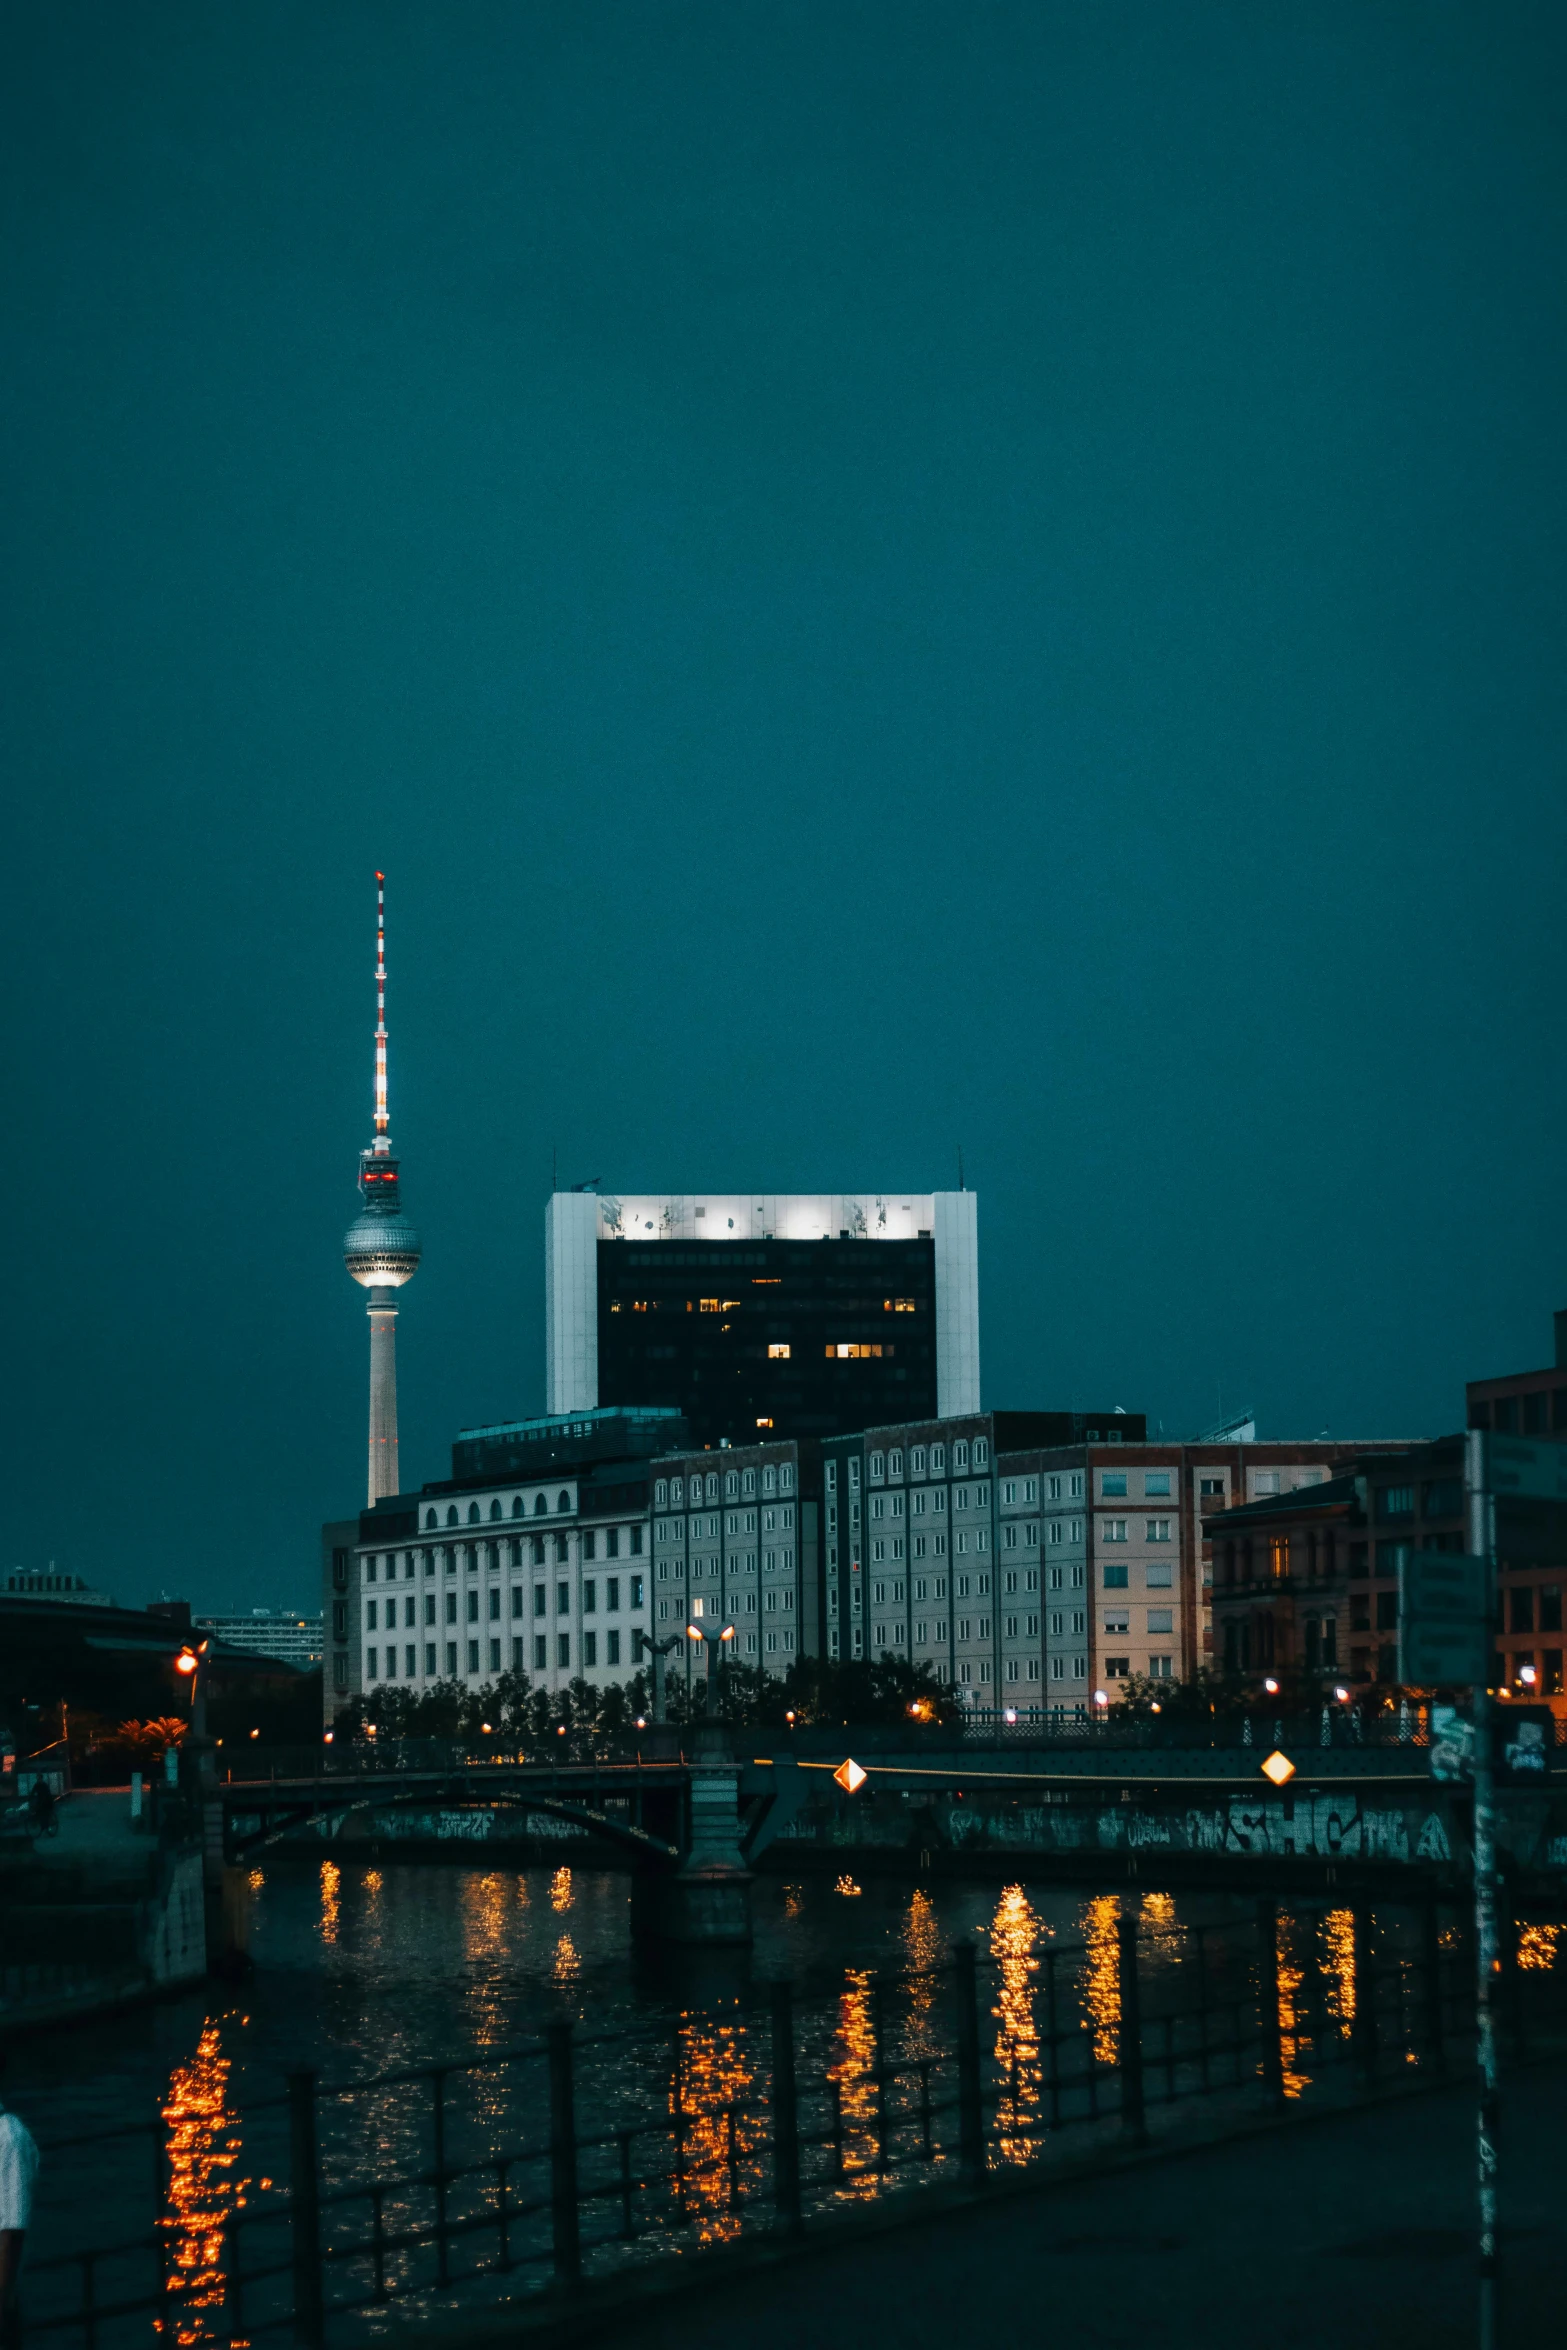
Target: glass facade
<point>772,1338</point>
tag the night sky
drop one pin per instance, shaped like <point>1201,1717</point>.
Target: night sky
<point>879,577</point>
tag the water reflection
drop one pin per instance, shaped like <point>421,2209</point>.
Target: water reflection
<point>922,1942</point>
<point>567,1966</point>
<point>718,2140</point>
<point>1338,1933</point>
<point>851,2074</point>
<point>331,1884</point>
<point>1013,1933</point>
<point>1102,1975</point>
<point>1294,2040</point>
<point>1537,1946</point>
<point>560,1890</point>
<point>203,2189</point>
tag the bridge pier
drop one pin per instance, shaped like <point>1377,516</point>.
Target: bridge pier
<point>706,1900</point>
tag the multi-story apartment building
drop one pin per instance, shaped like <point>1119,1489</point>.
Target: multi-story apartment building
<point>1037,1560</point>
<point>1306,1581</point>
<point>533,1556</point>
<point>923,1557</point>
<point>736,1537</point>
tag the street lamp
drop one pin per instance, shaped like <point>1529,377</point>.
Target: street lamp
<point>713,1637</point>
<point>1271,1686</point>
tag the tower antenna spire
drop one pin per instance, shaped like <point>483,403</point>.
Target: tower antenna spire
<point>381,1248</point>
<point>381,1120</point>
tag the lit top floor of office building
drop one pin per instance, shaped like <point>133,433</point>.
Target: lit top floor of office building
<point>1037,1561</point>
<point>761,1316</point>
<point>283,1633</point>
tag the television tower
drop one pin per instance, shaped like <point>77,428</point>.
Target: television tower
<point>380,1247</point>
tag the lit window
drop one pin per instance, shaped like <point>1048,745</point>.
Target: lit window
<point>778,1354</point>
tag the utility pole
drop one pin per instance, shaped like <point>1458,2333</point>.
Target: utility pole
<point>1482,1542</point>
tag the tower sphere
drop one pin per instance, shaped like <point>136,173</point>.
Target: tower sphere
<point>381,1252</point>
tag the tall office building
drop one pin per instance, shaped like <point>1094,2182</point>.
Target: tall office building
<point>380,1247</point>
<point>763,1317</point>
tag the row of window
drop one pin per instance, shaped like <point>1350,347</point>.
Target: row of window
<point>382,1664</point>
<point>634,1598</point>
<point>1160,1619</point>
<point>738,1567</point>
<point>731,1485</point>
<point>519,1509</point>
<point>1154,1529</point>
<point>738,1522</point>
<point>608,1542</point>
<point>924,1460</point>
<point>1158,1575</point>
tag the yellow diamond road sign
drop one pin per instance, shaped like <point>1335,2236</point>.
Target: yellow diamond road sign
<point>1278,1768</point>
<point>850,1777</point>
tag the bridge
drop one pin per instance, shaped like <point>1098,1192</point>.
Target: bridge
<point>694,1820</point>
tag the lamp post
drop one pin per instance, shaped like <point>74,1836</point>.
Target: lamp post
<point>714,1637</point>
<point>658,1650</point>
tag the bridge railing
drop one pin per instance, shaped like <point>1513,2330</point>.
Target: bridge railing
<point>580,2154</point>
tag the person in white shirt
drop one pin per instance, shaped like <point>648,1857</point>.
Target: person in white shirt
<point>18,2169</point>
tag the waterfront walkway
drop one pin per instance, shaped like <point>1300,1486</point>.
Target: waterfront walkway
<point>1352,2233</point>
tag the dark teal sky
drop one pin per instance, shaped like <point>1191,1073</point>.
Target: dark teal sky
<point>877,576</point>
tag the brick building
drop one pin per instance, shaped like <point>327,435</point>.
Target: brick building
<point>1531,1539</point>
<point>1305,1584</point>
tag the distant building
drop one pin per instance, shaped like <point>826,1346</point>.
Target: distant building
<point>1524,1403</point>
<point>762,1317</point>
<point>533,1556</point>
<point>339,1615</point>
<point>737,1538</point>
<point>1037,1560</point>
<point>1306,1582</point>
<point>1530,1554</point>
<point>275,1632</point>
<point>67,1590</point>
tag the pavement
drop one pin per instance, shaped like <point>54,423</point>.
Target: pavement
<point>1346,2232</point>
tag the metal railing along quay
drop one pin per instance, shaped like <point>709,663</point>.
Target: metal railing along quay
<point>505,2174</point>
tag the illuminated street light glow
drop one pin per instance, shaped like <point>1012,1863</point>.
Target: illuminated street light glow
<point>850,1777</point>
<point>1278,1768</point>
<point>1100,1697</point>
<point>185,1662</point>
<point>1271,1686</point>
<point>1526,1674</point>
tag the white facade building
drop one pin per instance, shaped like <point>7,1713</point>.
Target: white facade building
<point>276,1632</point>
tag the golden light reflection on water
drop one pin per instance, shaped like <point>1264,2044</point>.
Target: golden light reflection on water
<point>852,2070</point>
<point>203,2191</point>
<point>1158,1930</point>
<point>1338,1932</point>
<point>794,1901</point>
<point>922,1940</point>
<point>1013,1932</point>
<point>560,1890</point>
<point>720,2146</point>
<point>1537,1946</point>
<point>1294,2040</point>
<point>1102,1975</point>
<point>331,1887</point>
<point>567,1966</point>
<point>484,1940</point>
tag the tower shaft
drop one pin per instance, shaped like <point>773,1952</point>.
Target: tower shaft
<point>383,1478</point>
